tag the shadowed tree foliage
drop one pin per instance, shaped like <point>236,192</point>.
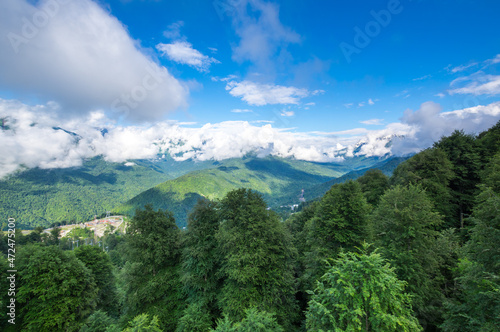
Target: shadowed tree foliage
<point>151,273</point>
<point>360,292</point>
<point>433,171</point>
<point>405,231</point>
<point>477,304</point>
<point>340,222</point>
<point>102,270</point>
<point>373,184</point>
<point>257,256</point>
<point>200,268</point>
<point>56,292</point>
<point>461,149</point>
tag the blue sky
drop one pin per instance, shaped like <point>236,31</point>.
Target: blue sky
<point>221,78</point>
<point>408,62</point>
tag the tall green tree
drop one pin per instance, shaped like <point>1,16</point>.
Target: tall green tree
<point>463,153</point>
<point>151,273</point>
<point>433,170</point>
<point>340,221</point>
<point>102,270</point>
<point>373,184</point>
<point>477,304</point>
<point>361,292</point>
<point>200,268</point>
<point>257,259</point>
<point>405,231</point>
<point>55,289</point>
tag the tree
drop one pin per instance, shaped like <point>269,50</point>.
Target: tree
<point>340,221</point>
<point>477,304</point>
<point>255,321</point>
<point>99,263</point>
<point>99,321</point>
<point>257,259</point>
<point>360,292</point>
<point>56,291</point>
<point>142,323</point>
<point>373,184</point>
<point>433,170</point>
<point>151,273</point>
<point>200,268</point>
<point>405,231</point>
<point>462,151</point>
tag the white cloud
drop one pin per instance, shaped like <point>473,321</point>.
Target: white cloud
<point>440,95</point>
<point>174,30</point>
<point>34,140</point>
<point>371,102</point>
<point>428,124</point>
<point>422,78</point>
<point>476,84</point>
<point>258,94</point>
<point>462,67</point>
<point>373,122</point>
<point>348,105</point>
<point>83,58</point>
<point>183,52</point>
<point>237,110</point>
<point>263,38</point>
<point>493,61</point>
<point>287,113</point>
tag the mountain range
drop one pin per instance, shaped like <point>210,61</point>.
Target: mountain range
<point>42,197</point>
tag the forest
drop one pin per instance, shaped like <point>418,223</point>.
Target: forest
<point>416,251</point>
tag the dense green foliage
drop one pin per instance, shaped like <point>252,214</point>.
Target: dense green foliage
<point>360,292</point>
<point>434,227</point>
<point>42,197</point>
<point>151,272</point>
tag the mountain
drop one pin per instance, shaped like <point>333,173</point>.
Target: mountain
<point>278,180</point>
<point>41,197</point>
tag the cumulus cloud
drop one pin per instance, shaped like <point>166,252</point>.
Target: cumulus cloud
<point>476,84</point>
<point>183,52</point>
<point>258,94</point>
<point>428,124</point>
<point>34,136</point>
<point>79,55</point>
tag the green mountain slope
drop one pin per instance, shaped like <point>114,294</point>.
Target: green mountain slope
<point>40,197</point>
<point>273,177</point>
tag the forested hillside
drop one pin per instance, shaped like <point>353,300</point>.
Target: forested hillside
<point>42,197</point>
<point>417,251</point>
<point>279,180</point>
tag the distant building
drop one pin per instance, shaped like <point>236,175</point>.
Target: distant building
<point>301,197</point>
